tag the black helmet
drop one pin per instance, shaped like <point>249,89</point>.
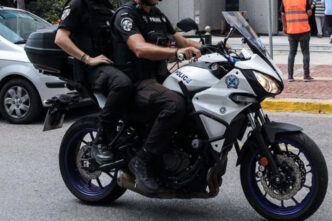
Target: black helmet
<point>148,3</point>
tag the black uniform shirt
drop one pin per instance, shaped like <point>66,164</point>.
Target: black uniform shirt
<point>83,18</point>
<point>153,26</point>
<point>75,19</point>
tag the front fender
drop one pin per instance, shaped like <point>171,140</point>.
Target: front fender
<point>270,132</point>
<point>272,129</point>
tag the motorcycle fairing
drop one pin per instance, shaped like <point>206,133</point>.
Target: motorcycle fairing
<point>258,64</point>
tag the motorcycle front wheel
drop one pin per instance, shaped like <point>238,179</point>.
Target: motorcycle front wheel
<point>303,184</point>
<point>97,187</point>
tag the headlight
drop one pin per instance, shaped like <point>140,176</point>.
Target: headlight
<point>269,84</point>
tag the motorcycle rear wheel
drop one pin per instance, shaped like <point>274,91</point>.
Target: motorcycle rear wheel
<point>299,201</point>
<point>101,190</point>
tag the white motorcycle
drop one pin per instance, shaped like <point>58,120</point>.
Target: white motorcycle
<point>283,173</point>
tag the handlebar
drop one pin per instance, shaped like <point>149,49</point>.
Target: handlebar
<point>182,57</point>
<point>207,49</point>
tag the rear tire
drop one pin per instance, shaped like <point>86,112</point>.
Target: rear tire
<point>316,192</point>
<point>76,183</point>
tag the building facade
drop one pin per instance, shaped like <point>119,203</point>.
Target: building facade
<point>208,12</point>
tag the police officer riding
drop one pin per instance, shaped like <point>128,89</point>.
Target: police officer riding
<point>84,33</point>
<point>141,45</point>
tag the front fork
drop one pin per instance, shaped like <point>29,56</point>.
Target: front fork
<point>256,123</point>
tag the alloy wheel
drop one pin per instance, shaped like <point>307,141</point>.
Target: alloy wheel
<point>17,102</point>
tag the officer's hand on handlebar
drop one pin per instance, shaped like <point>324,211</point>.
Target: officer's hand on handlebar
<point>190,52</point>
<point>101,59</point>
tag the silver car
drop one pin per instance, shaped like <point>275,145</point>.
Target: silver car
<point>22,88</point>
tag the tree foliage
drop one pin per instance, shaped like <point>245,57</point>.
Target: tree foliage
<point>50,10</point>
<point>9,3</point>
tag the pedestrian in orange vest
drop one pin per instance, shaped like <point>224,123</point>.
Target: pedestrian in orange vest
<point>295,19</point>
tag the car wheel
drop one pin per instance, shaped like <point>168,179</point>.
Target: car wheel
<point>19,102</point>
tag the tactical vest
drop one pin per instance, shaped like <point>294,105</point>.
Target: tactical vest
<point>296,16</point>
<point>100,14</point>
<point>154,30</point>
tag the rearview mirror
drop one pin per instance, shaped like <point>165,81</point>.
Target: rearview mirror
<point>187,25</point>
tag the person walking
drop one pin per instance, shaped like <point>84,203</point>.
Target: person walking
<point>328,16</point>
<point>295,14</point>
<point>319,16</point>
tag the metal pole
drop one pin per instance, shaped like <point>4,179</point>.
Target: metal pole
<point>270,27</point>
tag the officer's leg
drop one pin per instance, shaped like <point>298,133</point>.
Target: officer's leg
<point>117,88</point>
<point>170,107</point>
<point>304,43</point>
<point>293,44</point>
<point>170,110</point>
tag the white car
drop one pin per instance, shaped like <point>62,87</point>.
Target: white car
<point>23,89</point>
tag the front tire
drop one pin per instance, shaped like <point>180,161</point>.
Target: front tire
<point>92,188</point>
<point>303,159</point>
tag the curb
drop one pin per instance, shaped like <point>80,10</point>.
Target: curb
<point>297,105</point>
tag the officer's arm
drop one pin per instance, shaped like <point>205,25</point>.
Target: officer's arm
<point>143,49</point>
<point>182,42</point>
<point>62,39</point>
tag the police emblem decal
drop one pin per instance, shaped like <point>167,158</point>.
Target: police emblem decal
<point>232,81</point>
<point>65,13</point>
<point>127,24</point>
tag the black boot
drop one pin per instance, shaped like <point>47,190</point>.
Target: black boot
<point>99,149</point>
<point>140,166</point>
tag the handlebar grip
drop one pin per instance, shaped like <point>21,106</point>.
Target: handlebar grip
<point>181,57</point>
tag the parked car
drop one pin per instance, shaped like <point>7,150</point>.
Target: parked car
<point>23,89</point>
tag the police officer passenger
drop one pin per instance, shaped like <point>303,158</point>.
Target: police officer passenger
<point>84,33</point>
<point>141,35</point>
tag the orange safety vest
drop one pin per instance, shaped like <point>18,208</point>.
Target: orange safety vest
<point>297,18</point>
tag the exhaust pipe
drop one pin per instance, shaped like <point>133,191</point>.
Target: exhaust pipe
<point>126,181</point>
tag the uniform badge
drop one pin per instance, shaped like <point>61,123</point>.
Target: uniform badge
<point>65,13</point>
<point>232,81</point>
<point>127,24</point>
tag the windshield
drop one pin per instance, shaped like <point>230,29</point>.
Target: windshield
<point>236,20</point>
<point>16,26</point>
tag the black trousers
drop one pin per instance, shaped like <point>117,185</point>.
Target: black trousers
<point>294,40</point>
<point>328,20</point>
<point>117,88</point>
<point>168,109</point>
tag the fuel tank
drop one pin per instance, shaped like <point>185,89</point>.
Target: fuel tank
<point>197,75</point>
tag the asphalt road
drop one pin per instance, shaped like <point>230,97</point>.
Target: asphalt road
<point>31,187</point>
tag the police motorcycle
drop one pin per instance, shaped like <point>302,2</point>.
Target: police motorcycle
<point>282,171</point>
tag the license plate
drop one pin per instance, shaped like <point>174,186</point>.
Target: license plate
<point>53,121</point>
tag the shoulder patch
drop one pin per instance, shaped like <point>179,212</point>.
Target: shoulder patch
<point>65,13</point>
<point>127,24</point>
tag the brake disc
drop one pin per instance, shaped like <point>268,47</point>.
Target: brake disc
<point>83,163</point>
<point>293,189</point>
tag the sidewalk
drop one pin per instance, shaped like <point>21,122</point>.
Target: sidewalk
<point>315,96</point>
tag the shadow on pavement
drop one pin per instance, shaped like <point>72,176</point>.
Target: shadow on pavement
<point>165,210</point>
